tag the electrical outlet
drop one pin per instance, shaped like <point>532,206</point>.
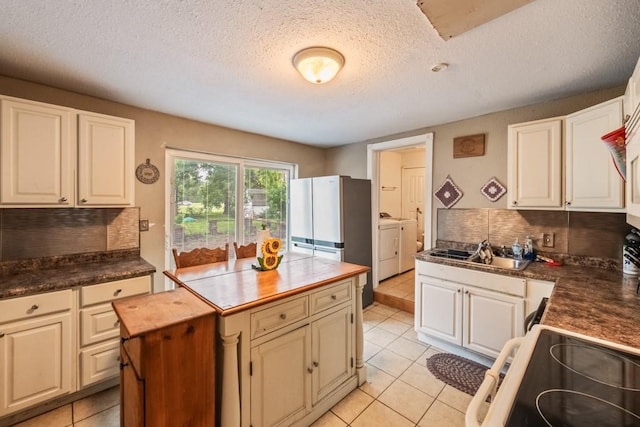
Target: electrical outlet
<point>144,225</point>
<point>548,240</point>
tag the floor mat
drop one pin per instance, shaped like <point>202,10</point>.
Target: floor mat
<point>457,371</point>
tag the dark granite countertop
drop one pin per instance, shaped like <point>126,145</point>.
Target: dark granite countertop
<point>588,298</point>
<point>53,274</point>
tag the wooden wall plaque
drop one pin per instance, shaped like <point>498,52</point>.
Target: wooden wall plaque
<point>468,146</point>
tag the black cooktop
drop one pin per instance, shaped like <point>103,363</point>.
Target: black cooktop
<point>571,382</point>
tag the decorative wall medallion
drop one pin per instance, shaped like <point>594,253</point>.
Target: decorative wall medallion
<point>448,194</point>
<point>147,173</point>
<point>493,189</point>
<point>468,146</point>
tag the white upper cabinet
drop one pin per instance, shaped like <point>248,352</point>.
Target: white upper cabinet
<point>105,160</point>
<point>562,163</point>
<point>632,126</point>
<point>634,89</point>
<point>535,165</point>
<point>37,153</point>
<point>45,148</point>
<point>592,180</point>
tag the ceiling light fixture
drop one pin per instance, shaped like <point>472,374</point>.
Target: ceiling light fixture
<point>318,64</point>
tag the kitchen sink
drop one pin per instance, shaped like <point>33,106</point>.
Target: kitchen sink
<point>504,262</point>
<point>452,254</point>
<point>470,257</point>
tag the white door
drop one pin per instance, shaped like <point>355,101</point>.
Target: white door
<point>281,379</point>
<point>106,153</point>
<point>37,147</point>
<point>413,197</point>
<point>332,359</point>
<point>30,375</point>
<point>441,309</point>
<point>592,181</point>
<point>491,319</point>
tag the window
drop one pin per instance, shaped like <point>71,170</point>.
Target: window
<point>203,208</point>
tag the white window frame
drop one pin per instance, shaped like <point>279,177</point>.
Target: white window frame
<point>171,154</point>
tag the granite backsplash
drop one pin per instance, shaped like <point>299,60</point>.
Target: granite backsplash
<point>577,235</point>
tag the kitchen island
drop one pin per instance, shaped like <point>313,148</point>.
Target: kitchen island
<point>290,341</point>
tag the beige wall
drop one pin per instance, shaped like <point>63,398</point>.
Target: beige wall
<point>156,131</point>
<point>470,173</point>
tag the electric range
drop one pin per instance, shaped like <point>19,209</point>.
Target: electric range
<point>559,378</point>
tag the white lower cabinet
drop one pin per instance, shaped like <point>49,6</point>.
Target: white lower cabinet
<point>99,330</point>
<point>49,348</point>
<point>475,310</point>
<point>302,355</point>
<point>304,366</point>
<point>492,319</point>
<point>36,350</point>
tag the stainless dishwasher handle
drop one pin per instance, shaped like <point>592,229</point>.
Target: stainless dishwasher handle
<point>489,385</point>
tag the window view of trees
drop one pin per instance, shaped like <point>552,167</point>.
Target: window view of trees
<point>205,209</point>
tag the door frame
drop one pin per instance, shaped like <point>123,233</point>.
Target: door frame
<point>373,173</point>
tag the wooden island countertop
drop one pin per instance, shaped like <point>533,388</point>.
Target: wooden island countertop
<point>293,309</point>
<point>234,285</point>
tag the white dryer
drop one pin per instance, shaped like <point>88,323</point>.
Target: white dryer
<point>407,244</point>
<point>388,248</point>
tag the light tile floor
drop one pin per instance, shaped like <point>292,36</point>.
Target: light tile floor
<point>400,390</point>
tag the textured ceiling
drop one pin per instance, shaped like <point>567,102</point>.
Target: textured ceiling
<point>229,62</point>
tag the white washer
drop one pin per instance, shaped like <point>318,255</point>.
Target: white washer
<point>388,248</point>
<point>407,245</point>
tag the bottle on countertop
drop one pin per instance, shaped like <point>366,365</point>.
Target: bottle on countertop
<point>528,252</point>
<point>516,249</point>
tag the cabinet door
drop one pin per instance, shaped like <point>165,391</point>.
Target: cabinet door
<point>635,88</point>
<point>37,154</point>
<point>35,361</point>
<point>131,387</point>
<point>281,379</point>
<point>441,309</point>
<point>105,160</point>
<point>633,175</point>
<point>491,319</point>
<point>332,352</point>
<point>535,165</point>
<point>592,180</point>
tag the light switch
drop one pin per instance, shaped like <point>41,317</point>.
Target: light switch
<point>144,225</point>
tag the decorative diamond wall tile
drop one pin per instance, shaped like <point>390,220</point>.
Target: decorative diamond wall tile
<point>493,189</point>
<point>448,194</point>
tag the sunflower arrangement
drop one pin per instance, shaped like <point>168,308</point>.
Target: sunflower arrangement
<point>270,259</point>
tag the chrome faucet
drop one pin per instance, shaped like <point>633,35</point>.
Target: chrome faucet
<point>485,252</point>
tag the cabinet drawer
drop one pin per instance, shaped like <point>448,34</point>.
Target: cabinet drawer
<point>99,363</point>
<point>107,292</point>
<point>330,297</point>
<point>133,348</point>
<point>479,279</point>
<point>98,324</point>
<point>273,318</point>
<point>35,305</point>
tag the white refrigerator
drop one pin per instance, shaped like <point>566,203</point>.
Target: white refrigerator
<point>330,217</point>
